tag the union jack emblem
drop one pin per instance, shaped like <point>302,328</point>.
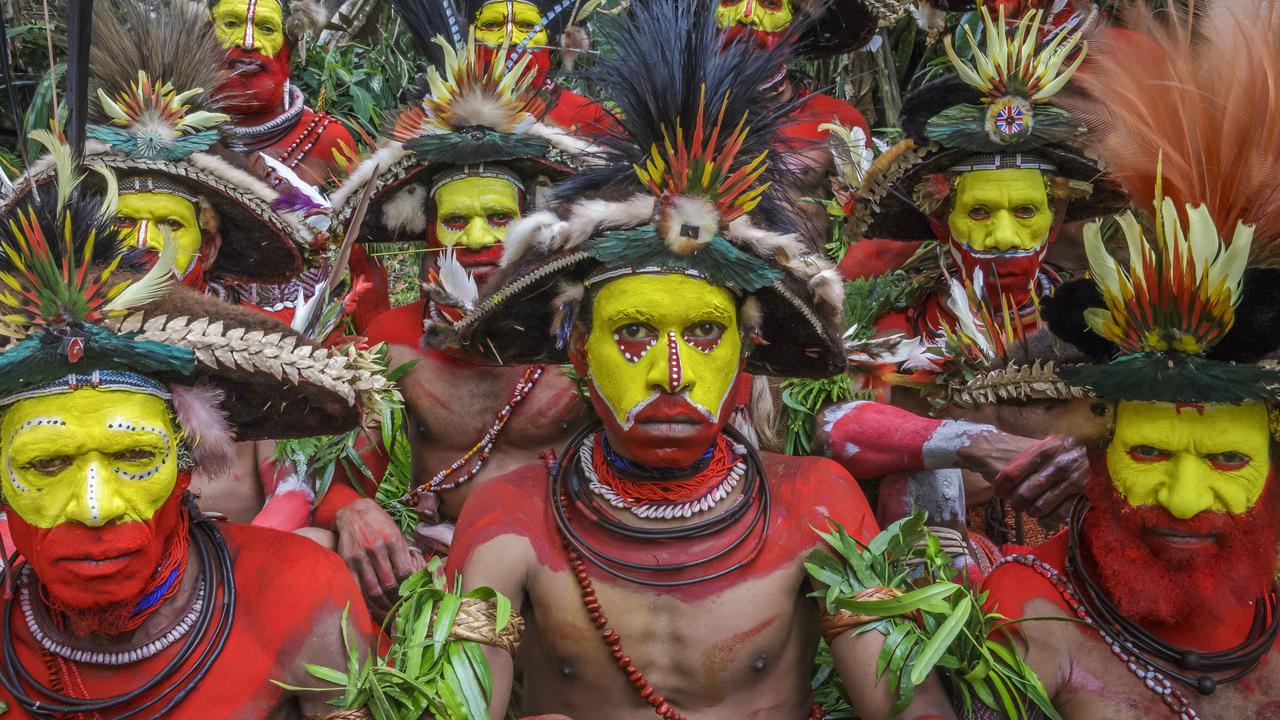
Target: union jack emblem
<point>1010,120</point>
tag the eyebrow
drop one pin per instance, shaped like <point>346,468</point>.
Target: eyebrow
<point>121,425</point>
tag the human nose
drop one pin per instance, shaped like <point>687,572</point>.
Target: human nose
<point>144,236</point>
<point>96,503</point>
<point>478,234</point>
<point>1185,494</point>
<point>669,372</point>
<point>1005,233</point>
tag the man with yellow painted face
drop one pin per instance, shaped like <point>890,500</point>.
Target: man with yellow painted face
<point>269,115</point>
<point>1169,563</point>
<point>828,29</point>
<point>126,598</point>
<point>535,28</point>
<point>454,195</point>
<point>658,533</point>
<point>990,174</point>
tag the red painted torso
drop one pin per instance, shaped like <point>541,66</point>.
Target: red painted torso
<point>1086,681</point>
<point>580,115</point>
<point>287,588</point>
<point>733,647</point>
<point>455,402</point>
<point>316,148</point>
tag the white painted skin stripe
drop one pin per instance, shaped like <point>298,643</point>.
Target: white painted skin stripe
<point>249,16</point>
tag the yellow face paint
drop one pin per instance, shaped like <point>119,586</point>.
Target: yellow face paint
<point>511,22</point>
<point>94,457</point>
<point>654,334</point>
<point>256,25</point>
<point>766,15</point>
<point>474,212</point>
<point>147,218</point>
<point>1000,211</point>
<point>1190,458</point>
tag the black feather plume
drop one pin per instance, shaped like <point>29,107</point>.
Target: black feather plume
<point>667,59</point>
<point>428,19</point>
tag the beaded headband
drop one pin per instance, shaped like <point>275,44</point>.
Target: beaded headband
<point>155,184</point>
<point>481,170</point>
<point>1003,161</point>
<point>96,380</point>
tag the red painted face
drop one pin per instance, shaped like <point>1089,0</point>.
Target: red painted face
<point>257,82</point>
<point>1159,569</point>
<point>97,574</point>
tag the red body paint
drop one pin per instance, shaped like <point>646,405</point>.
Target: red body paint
<point>806,494</point>
<point>288,587</point>
<point>872,439</point>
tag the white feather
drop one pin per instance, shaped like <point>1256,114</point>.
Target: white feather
<point>152,285</point>
<point>455,280</point>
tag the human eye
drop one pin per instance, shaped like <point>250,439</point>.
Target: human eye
<point>634,332</point>
<point>454,222</point>
<point>500,219</point>
<point>705,335</point>
<point>136,455</point>
<point>979,213</point>
<point>1149,454</point>
<point>1228,461</point>
<point>172,224</point>
<point>49,465</point>
<point>1025,212</point>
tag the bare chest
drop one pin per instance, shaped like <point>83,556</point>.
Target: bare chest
<point>1099,685</point>
<point>454,405</point>
<point>741,650</point>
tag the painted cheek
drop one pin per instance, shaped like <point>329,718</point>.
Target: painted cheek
<point>633,350</point>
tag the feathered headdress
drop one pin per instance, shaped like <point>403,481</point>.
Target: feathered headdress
<point>75,318</point>
<point>480,115</point>
<point>999,110</point>
<point>679,188</point>
<point>157,124</point>
<point>1194,129</point>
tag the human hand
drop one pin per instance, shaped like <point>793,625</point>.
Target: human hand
<point>1043,477</point>
<point>373,547</point>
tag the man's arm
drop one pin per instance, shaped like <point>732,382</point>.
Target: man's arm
<point>855,657</point>
<point>491,550</point>
<point>873,439</point>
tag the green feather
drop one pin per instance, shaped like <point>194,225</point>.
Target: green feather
<point>476,145</point>
<point>40,357</point>
<point>1157,377</point>
<point>718,261</point>
<point>964,126</point>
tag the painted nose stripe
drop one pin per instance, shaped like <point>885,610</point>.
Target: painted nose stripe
<point>675,374</point>
<point>250,12</point>
<point>144,230</point>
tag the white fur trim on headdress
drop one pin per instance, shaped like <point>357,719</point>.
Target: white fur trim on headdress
<point>406,211</point>
<point>374,164</point>
<point>536,230</point>
<point>205,426</point>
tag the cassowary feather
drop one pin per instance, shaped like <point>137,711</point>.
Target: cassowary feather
<point>1200,93</point>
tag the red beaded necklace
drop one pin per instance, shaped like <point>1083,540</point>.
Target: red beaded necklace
<point>635,494</point>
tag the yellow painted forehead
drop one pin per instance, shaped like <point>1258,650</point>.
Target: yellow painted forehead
<point>519,11</point>
<point>662,299</point>
<point>263,9</point>
<point>155,205</point>
<point>477,192</point>
<point>999,182</point>
<point>1207,425</point>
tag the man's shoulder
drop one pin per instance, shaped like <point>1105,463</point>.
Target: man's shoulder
<point>1028,574</point>
<point>289,566</point>
<point>818,490</point>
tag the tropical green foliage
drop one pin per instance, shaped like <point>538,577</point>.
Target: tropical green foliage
<point>425,672</point>
<point>933,622</point>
